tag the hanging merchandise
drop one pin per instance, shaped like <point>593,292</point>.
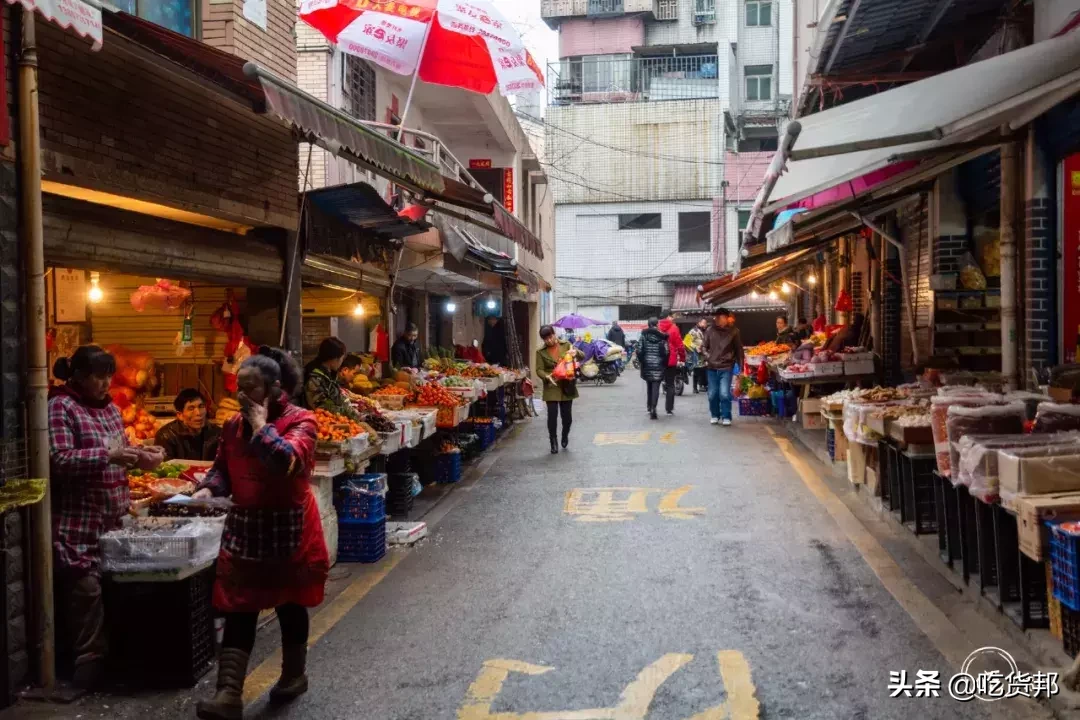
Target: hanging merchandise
<point>762,373</point>
<point>843,302</point>
<point>238,348</point>
<point>379,342</point>
<point>163,296</point>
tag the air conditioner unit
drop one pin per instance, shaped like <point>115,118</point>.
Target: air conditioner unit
<point>705,18</point>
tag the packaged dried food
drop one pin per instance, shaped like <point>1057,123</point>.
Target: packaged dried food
<point>981,420</point>
<point>1055,418</point>
<point>1031,402</point>
<point>978,466</point>
<point>939,411</point>
<point>1038,470</point>
<point>971,275</point>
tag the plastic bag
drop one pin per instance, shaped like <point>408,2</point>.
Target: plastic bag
<point>1054,418</point>
<point>939,411</point>
<point>1032,401</point>
<point>981,420</point>
<point>162,296</point>
<point>978,467</point>
<point>1039,470</point>
<point>971,275</point>
<point>566,369</point>
<point>590,370</point>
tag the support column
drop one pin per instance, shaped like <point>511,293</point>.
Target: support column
<point>843,283</point>
<point>1009,344</point>
<point>292,336</point>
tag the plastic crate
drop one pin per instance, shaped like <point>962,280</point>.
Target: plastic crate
<point>361,497</point>
<point>484,431</point>
<point>145,651</point>
<point>1070,631</point>
<point>753,408</point>
<point>830,441</point>
<point>399,498</point>
<point>361,542</point>
<point>1064,557</point>
<point>448,468</point>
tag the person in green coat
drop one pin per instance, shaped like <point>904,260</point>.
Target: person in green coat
<point>559,395</point>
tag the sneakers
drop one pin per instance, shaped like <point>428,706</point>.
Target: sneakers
<point>714,421</point>
<point>725,422</point>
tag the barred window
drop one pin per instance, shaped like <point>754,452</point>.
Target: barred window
<point>359,88</point>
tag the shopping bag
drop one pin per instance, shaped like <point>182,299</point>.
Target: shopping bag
<point>566,369</point>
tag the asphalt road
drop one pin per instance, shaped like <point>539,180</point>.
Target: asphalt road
<point>741,597</point>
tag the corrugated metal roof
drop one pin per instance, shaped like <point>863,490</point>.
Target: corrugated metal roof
<point>360,204</point>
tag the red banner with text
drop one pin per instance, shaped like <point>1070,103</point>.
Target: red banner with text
<point>1070,260</point>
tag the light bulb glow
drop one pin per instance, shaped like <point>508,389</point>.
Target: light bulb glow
<point>451,307</point>
<point>785,288</point>
<point>754,295</point>
<point>358,311</point>
<point>491,304</point>
<point>95,295</point>
<point>772,295</point>
<point>812,279</point>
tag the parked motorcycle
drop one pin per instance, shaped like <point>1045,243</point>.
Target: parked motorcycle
<point>604,373</point>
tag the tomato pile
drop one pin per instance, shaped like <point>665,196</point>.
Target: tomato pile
<point>334,427</point>
<point>435,395</point>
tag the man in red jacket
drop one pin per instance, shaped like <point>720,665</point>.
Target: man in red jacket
<point>676,357</point>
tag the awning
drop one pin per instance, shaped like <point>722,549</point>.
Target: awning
<point>686,299</point>
<point>81,17</point>
<point>729,287</point>
<point>928,116</point>
<point>360,205</point>
<point>463,245</point>
<point>264,92</point>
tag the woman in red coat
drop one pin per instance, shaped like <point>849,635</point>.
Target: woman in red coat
<point>273,554</point>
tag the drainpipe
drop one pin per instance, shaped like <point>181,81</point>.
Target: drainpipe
<point>843,280</point>
<point>1009,345</point>
<point>33,247</point>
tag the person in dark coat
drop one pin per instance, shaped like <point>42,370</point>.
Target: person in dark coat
<point>494,346</point>
<point>189,436</point>
<point>653,353</point>
<point>616,335</point>
<point>406,351</point>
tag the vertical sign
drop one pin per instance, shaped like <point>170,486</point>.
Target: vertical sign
<point>70,299</point>
<point>508,189</point>
<point>1070,261</point>
<point>255,12</point>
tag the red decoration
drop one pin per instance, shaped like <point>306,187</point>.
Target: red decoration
<point>843,303</point>
<point>1070,257</point>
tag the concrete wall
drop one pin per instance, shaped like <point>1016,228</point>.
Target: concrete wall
<point>600,37</point>
<point>684,32</point>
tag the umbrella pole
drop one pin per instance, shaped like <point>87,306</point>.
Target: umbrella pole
<point>415,76</point>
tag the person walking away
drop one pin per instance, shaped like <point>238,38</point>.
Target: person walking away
<point>617,335</point>
<point>494,346</point>
<point>322,388</point>
<point>273,554</point>
<point>89,456</point>
<point>189,436</point>
<point>559,395</point>
<point>406,351</point>
<point>723,351</point>
<point>695,343</point>
<point>676,358</point>
<point>785,334</point>
<point>653,353</point>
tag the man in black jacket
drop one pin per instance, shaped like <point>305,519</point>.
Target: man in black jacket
<point>616,335</point>
<point>653,353</point>
<point>406,352</point>
<point>494,346</point>
<point>189,436</point>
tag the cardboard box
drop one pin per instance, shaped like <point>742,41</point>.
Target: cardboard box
<point>810,406</point>
<point>813,421</point>
<point>856,464</point>
<point>873,481</point>
<point>842,445</point>
<point>1061,395</point>
<point>1032,512</point>
<point>1039,471</point>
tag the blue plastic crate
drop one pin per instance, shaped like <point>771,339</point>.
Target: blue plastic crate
<point>484,431</point>
<point>361,497</point>
<point>448,468</point>
<point>361,542</point>
<point>830,442</point>
<point>1065,564</point>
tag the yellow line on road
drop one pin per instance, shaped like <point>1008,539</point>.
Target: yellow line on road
<point>262,678</point>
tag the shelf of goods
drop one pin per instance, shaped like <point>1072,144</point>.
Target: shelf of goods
<point>967,327</point>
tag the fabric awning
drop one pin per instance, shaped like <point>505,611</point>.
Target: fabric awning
<point>686,299</point>
<point>84,18</point>
<point>852,140</point>
<point>729,287</point>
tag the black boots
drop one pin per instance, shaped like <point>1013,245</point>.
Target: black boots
<point>554,446</point>
<point>228,702</point>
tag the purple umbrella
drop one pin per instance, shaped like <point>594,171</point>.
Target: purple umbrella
<point>576,322</point>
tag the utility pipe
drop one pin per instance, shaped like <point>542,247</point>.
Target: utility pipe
<point>903,279</point>
<point>37,391</point>
<point>776,167</point>
<point>1009,344</point>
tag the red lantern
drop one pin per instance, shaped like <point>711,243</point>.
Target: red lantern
<point>843,302</point>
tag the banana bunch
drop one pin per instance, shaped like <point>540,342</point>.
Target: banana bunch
<point>227,408</point>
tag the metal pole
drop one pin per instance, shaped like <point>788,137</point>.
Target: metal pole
<point>843,277</point>
<point>1009,345</point>
<point>776,167</point>
<point>37,393</point>
<point>415,76</point>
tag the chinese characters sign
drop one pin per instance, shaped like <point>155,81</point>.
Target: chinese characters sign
<point>989,674</point>
<point>70,15</point>
<point>508,189</point>
<point>484,164</point>
<point>1070,260</point>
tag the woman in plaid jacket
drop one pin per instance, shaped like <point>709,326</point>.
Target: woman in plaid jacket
<point>88,458</point>
<point>273,554</point>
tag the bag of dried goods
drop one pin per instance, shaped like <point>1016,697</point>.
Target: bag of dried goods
<point>1055,418</point>
<point>978,466</point>
<point>971,275</point>
<point>981,420</point>
<point>1031,402</point>
<point>1041,470</point>
<point>939,412</point>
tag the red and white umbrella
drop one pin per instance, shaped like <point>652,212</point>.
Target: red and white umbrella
<point>461,43</point>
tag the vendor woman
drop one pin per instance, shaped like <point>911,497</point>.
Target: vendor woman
<point>88,458</point>
<point>321,388</point>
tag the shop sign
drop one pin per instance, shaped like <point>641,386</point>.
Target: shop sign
<point>1070,206</point>
<point>508,189</point>
<point>481,164</point>
<point>69,287</point>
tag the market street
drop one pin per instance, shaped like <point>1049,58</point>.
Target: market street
<point>535,599</point>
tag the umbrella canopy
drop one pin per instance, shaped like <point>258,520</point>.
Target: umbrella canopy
<point>460,43</point>
<point>576,322</point>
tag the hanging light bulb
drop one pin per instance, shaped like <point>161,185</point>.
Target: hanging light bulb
<point>754,295</point>
<point>772,295</point>
<point>812,279</point>
<point>451,306</point>
<point>95,295</point>
<point>358,311</point>
<point>491,304</point>
<point>785,288</point>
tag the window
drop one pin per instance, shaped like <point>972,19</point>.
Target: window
<point>744,219</point>
<point>358,88</point>
<point>758,82</point>
<point>176,15</point>
<point>758,13</point>
<point>759,144</point>
<point>645,221</point>
<point>695,232</point>
<point>603,73</point>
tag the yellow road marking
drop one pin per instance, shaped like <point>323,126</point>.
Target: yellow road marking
<point>933,623</point>
<point>602,505</point>
<point>627,438</point>
<point>262,678</point>
<point>735,672</point>
<point>669,438</point>
<point>669,505</point>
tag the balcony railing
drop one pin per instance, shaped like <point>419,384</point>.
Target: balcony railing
<point>595,80</point>
<point>604,8</point>
<point>704,12</point>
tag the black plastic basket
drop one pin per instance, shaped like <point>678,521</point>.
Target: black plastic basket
<point>1070,631</point>
<point>161,634</point>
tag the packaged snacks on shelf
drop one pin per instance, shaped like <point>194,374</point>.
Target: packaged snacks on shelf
<point>963,420</point>
<point>1038,471</point>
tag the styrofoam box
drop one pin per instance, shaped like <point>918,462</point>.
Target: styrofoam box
<point>859,367</point>
<point>330,467</point>
<point>322,487</point>
<point>330,534</point>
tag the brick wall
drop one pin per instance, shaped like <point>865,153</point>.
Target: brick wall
<point>948,249</point>
<point>115,123</point>
<point>225,27</point>
<point>1039,299</point>
<point>913,224</point>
